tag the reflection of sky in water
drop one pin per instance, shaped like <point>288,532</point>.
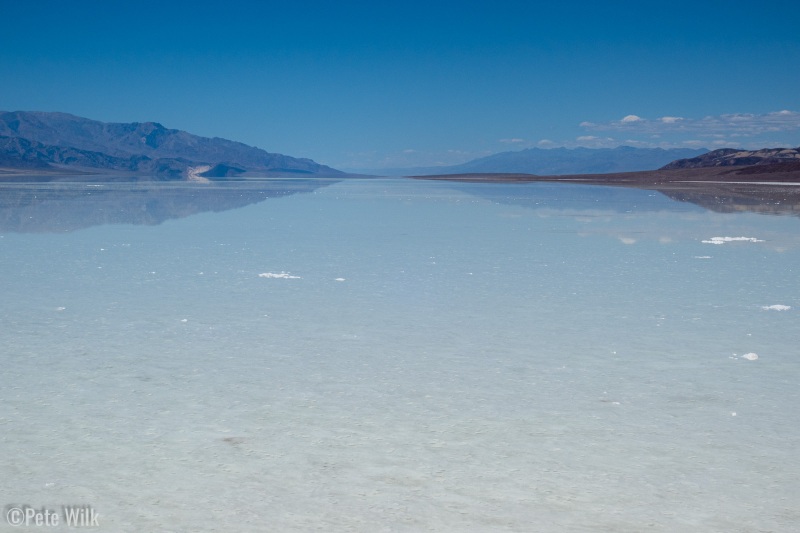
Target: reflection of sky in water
<point>538,358</point>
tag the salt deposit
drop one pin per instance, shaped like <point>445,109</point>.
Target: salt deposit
<point>776,307</point>
<point>278,275</point>
<point>723,240</point>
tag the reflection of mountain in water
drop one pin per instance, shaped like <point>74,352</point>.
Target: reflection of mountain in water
<point>737,198</point>
<point>63,207</point>
<point>764,192</point>
<point>571,197</point>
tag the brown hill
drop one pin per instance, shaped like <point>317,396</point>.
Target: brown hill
<point>734,157</point>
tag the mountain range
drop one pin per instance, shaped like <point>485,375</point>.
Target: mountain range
<point>60,141</point>
<point>557,161</point>
<point>52,143</point>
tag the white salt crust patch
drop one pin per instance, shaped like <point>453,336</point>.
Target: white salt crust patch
<point>723,240</point>
<point>776,307</point>
<point>278,275</point>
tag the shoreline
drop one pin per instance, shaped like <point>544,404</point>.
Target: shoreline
<point>747,174</point>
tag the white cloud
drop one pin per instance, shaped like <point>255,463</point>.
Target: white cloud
<point>514,140</point>
<point>593,141</point>
<point>637,144</point>
<point>741,124</point>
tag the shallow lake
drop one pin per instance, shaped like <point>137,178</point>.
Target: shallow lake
<point>398,355</point>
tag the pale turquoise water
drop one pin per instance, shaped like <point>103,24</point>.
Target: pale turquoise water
<point>535,357</point>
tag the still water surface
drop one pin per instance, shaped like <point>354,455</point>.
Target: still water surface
<point>396,355</point>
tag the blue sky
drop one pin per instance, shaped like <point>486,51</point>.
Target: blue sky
<point>372,85</point>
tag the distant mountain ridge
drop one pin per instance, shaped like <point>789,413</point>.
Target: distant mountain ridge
<point>736,157</point>
<point>44,138</point>
<point>559,161</point>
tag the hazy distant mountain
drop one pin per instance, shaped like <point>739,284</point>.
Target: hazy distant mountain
<point>559,161</point>
<point>58,138</point>
<point>737,157</point>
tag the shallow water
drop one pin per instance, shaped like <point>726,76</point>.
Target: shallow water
<point>418,356</point>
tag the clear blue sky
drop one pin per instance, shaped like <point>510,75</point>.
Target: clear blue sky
<point>382,84</point>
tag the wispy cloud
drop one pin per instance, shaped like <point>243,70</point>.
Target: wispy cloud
<point>731,125</point>
<point>592,141</point>
<point>515,140</point>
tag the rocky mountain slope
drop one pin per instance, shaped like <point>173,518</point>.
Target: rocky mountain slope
<point>17,152</point>
<point>39,139</point>
<point>736,157</point>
